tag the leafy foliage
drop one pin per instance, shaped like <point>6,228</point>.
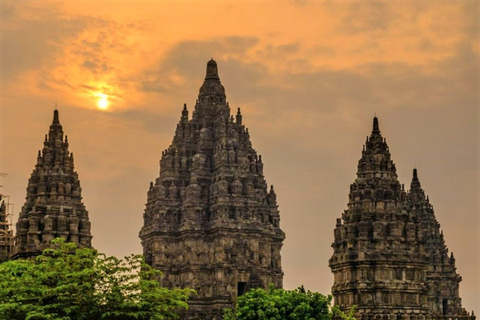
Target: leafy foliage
<point>280,304</point>
<point>339,314</point>
<point>70,283</point>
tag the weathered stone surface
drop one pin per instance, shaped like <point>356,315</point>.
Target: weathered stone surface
<point>389,257</point>
<point>53,206</point>
<point>441,276</point>
<point>210,222</point>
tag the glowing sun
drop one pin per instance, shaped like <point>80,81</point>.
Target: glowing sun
<point>102,102</point>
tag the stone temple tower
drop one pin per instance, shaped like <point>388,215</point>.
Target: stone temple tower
<point>442,279</point>
<point>210,222</point>
<point>53,206</point>
<point>378,262</point>
<point>389,258</point>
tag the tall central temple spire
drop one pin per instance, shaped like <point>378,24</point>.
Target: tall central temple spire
<point>210,222</point>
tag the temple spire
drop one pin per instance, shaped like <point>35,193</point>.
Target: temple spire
<point>387,225</point>
<point>185,112</point>
<point>376,128</point>
<point>213,193</point>
<point>56,130</point>
<point>212,92</point>
<point>53,185</point>
<point>239,117</point>
<point>376,157</point>
<point>56,119</point>
<point>415,185</point>
<point>212,70</point>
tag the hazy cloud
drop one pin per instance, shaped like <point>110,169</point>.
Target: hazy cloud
<point>182,61</point>
<point>31,39</point>
<point>369,16</point>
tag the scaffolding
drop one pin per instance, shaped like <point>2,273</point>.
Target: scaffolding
<point>6,230</point>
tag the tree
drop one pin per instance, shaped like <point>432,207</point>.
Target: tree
<point>280,304</point>
<point>70,283</point>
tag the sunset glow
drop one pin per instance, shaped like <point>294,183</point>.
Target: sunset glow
<point>308,76</point>
<point>102,102</point>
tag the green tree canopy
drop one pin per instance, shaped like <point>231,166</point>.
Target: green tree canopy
<point>280,304</point>
<point>70,283</point>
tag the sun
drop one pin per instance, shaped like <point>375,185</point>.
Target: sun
<point>102,102</point>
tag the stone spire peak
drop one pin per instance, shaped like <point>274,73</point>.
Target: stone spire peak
<point>56,131</point>
<point>415,185</point>
<point>376,159</point>
<point>416,194</point>
<point>212,70</point>
<point>376,139</point>
<point>56,119</point>
<point>376,128</point>
<point>212,91</point>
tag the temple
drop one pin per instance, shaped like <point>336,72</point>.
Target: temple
<point>390,258</point>
<point>53,206</point>
<point>442,279</point>
<point>211,223</point>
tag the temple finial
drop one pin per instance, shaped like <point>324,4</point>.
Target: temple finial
<point>185,112</point>
<point>55,116</point>
<point>212,70</point>
<point>415,185</point>
<point>239,117</point>
<point>376,128</point>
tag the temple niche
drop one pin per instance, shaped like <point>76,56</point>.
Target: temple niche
<point>390,257</point>
<point>53,206</point>
<point>210,222</point>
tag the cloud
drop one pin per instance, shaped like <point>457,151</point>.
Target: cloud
<point>301,2</point>
<point>369,16</point>
<point>314,97</point>
<point>50,52</point>
<point>32,37</point>
<point>183,60</point>
<point>150,120</point>
<point>7,10</point>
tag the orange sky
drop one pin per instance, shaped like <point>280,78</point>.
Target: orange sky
<point>309,75</point>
